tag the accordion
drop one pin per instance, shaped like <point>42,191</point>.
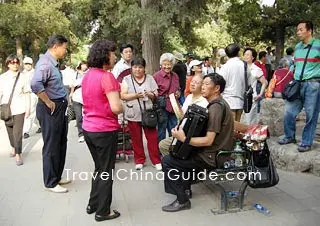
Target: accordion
<point>194,124</point>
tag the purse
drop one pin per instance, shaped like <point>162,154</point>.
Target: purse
<point>291,91</point>
<point>248,94</point>
<point>273,83</point>
<point>5,110</point>
<point>149,117</point>
<point>261,170</point>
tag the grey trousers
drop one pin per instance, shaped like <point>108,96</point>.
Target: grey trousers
<point>15,133</point>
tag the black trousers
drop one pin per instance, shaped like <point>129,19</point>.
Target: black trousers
<point>15,133</point>
<point>77,107</point>
<point>102,146</point>
<point>54,134</point>
<point>179,175</point>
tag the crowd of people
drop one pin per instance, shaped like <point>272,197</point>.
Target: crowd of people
<point>102,89</point>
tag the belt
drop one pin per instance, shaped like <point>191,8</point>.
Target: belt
<point>59,99</point>
<point>311,80</point>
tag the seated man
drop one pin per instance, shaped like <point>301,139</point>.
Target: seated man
<point>220,131</point>
<point>194,98</point>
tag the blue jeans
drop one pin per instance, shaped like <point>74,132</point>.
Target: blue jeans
<point>169,122</point>
<point>310,101</point>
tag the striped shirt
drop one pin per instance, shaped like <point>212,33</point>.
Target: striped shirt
<point>312,69</point>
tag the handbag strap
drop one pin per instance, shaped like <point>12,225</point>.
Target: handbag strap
<point>138,98</point>
<point>167,91</point>
<point>14,86</point>
<point>282,78</point>
<point>305,62</point>
<point>245,75</point>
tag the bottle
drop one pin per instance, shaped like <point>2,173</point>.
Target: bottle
<point>234,194</point>
<point>262,209</point>
<point>226,165</point>
<point>239,160</point>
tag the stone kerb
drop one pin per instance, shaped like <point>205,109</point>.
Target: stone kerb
<point>288,158</point>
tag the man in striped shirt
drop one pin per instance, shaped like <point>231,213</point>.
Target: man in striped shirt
<point>310,88</point>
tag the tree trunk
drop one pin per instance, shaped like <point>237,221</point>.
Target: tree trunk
<point>35,49</point>
<point>150,40</point>
<point>280,38</point>
<point>19,49</point>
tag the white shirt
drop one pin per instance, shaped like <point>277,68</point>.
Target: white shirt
<point>254,73</point>
<point>22,89</point>
<point>120,66</point>
<point>233,73</point>
<point>68,76</point>
<point>201,101</point>
<point>207,70</point>
<point>77,95</point>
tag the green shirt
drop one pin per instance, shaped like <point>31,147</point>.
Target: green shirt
<point>312,69</point>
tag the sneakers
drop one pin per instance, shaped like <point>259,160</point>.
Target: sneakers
<point>19,162</point>
<point>158,166</point>
<point>64,181</point>
<point>287,141</point>
<point>139,166</point>
<point>304,148</point>
<point>81,139</point>
<point>26,135</point>
<point>57,189</point>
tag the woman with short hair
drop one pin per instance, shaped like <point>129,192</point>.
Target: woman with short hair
<point>101,105</point>
<point>139,91</point>
<point>168,82</point>
<point>12,82</point>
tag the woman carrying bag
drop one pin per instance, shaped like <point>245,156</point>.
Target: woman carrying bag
<point>139,91</point>
<point>15,104</point>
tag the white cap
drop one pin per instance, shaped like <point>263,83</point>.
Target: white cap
<point>27,60</point>
<point>194,63</point>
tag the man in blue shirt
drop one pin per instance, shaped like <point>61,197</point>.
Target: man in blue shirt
<point>47,84</point>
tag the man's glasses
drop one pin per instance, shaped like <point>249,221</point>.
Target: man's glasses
<point>14,62</point>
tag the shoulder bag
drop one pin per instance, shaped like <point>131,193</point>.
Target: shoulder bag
<point>248,94</point>
<point>291,91</point>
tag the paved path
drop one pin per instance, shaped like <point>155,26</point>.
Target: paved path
<point>295,201</point>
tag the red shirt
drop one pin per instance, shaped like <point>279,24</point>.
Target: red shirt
<point>280,74</point>
<point>98,116</point>
<point>263,68</point>
<point>163,81</point>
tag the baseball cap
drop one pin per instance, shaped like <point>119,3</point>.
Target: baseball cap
<point>27,60</point>
<point>178,56</point>
<point>194,63</point>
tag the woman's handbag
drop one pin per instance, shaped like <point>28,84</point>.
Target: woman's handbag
<point>291,91</point>
<point>261,170</point>
<point>149,117</point>
<point>248,94</point>
<point>5,110</point>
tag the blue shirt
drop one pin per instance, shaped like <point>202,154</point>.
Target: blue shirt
<point>47,77</point>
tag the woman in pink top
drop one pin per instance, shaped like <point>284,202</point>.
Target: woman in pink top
<point>101,105</point>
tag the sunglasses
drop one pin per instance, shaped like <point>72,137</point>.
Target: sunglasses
<point>14,62</point>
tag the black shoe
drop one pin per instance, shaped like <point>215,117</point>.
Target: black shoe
<point>176,206</point>
<point>107,217</point>
<point>188,193</point>
<point>26,135</point>
<point>39,130</point>
<point>91,209</point>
